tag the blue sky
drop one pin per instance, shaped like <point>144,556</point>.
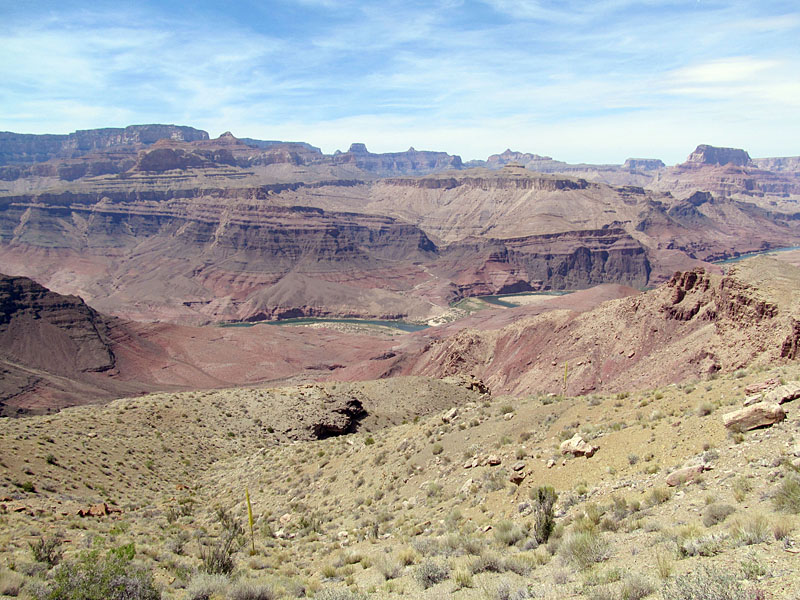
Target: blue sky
<point>580,81</point>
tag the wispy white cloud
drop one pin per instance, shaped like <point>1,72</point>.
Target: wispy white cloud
<point>577,80</point>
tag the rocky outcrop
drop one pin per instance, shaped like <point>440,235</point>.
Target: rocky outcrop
<point>568,260</point>
<point>45,330</point>
<point>713,155</point>
<point>20,148</point>
<point>643,164</point>
<point>789,164</point>
<point>762,414</point>
<point>783,393</point>
<point>686,475</point>
<point>338,416</point>
<point>577,446</point>
<point>410,162</point>
<point>44,336</point>
<point>696,325</point>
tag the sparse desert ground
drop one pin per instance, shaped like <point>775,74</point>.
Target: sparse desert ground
<point>410,506</point>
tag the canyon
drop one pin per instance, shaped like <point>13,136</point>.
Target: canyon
<point>194,230</point>
<point>149,234</point>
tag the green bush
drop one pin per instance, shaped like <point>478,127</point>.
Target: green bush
<point>218,559</point>
<point>47,550</point>
<point>95,577</point>
<point>544,498</point>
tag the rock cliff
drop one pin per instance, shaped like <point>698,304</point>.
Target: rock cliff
<point>19,148</point>
<point>713,155</point>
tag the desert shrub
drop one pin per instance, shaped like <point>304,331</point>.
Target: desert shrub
<point>95,577</point>
<point>636,587</point>
<point>584,548</point>
<point>657,496</point>
<point>252,591</point>
<point>716,513</point>
<point>47,550</point>
<point>462,579</point>
<point>706,585</point>
<point>407,556</point>
<point>508,533</point>
<point>218,559</point>
<point>752,568</point>
<point>705,409</point>
<point>508,591</point>
<point>11,583</point>
<point>437,448</point>
<point>787,498</point>
<point>430,573</point>
<point>490,563</point>
<point>741,487</point>
<point>663,566</point>
<point>204,586</point>
<point>782,527</point>
<point>517,565</point>
<point>708,545</point>
<point>473,545</point>
<point>751,530</point>
<point>544,498</point>
<point>390,569</point>
<point>339,594</point>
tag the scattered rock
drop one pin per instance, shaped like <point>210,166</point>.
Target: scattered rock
<point>467,487</point>
<point>761,414</point>
<point>784,393</point>
<point>518,466</point>
<point>517,478</point>
<point>752,399</point>
<point>577,446</point>
<point>450,415</point>
<point>551,463</point>
<point>98,510</point>
<point>493,460</point>
<point>339,415</point>
<point>686,474</point>
<point>509,416</point>
<point>768,384</point>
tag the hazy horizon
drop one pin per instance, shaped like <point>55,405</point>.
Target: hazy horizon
<point>594,82</point>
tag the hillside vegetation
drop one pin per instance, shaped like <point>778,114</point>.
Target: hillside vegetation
<point>455,503</point>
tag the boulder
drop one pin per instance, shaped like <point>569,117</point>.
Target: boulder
<point>517,477</point>
<point>784,393</point>
<point>450,415</point>
<point>686,474</point>
<point>763,386</point>
<point>98,510</point>
<point>762,414</point>
<point>753,399</point>
<point>577,446</point>
<point>518,466</point>
<point>493,460</point>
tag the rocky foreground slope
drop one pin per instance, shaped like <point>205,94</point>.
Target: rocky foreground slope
<point>455,503</point>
